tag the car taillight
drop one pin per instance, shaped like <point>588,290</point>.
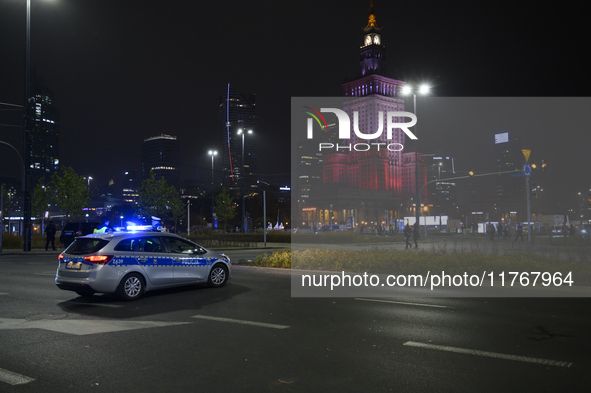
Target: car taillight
<point>60,258</point>
<point>99,259</point>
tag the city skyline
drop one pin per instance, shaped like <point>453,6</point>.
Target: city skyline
<point>122,72</point>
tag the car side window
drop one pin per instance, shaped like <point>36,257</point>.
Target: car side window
<point>131,244</point>
<point>180,246</point>
<point>150,244</point>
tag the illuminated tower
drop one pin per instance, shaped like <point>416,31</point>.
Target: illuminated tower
<point>370,93</point>
<point>44,151</point>
<point>238,112</point>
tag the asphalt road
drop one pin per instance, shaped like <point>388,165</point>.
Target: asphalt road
<point>252,336</point>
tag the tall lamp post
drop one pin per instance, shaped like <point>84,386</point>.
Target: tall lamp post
<point>422,90</point>
<point>212,153</point>
<point>26,139</point>
<point>241,132</point>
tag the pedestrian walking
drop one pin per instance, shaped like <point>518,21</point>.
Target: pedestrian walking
<point>407,235</point>
<point>415,234</point>
<point>506,232</point>
<point>519,233</point>
<point>499,231</point>
<point>50,235</point>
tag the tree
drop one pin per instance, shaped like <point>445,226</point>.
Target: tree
<point>68,191</point>
<point>40,199</point>
<point>225,209</point>
<point>159,199</point>
<point>6,200</point>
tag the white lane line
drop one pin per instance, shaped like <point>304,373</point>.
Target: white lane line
<point>242,322</point>
<point>490,354</point>
<point>406,303</point>
<point>13,378</point>
<point>69,303</point>
<point>4,293</point>
<point>45,274</point>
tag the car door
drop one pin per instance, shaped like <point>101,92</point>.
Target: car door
<point>150,254</point>
<point>189,263</point>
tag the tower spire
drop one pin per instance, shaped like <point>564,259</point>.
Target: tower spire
<point>372,17</point>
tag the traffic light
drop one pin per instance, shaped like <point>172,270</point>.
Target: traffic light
<point>471,173</point>
<point>543,165</point>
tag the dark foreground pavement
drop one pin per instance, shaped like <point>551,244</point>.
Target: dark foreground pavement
<point>252,336</point>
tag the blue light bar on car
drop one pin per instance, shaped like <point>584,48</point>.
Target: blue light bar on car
<point>134,228</point>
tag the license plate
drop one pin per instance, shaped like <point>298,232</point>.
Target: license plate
<point>74,265</point>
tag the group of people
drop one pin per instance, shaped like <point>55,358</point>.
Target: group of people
<point>411,232</point>
<point>502,231</point>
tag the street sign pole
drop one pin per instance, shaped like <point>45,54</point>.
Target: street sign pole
<point>529,229</point>
<point>527,171</point>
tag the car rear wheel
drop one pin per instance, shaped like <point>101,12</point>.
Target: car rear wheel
<point>132,287</point>
<point>218,276</point>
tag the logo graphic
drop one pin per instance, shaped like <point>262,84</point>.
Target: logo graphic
<point>344,128</point>
<point>316,117</point>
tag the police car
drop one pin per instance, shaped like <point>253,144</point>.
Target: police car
<point>130,263</point>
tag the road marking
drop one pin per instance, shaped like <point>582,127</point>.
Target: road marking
<point>490,354</point>
<point>4,293</point>
<point>81,327</point>
<point>71,303</point>
<point>13,378</point>
<point>408,304</point>
<point>45,274</point>
<point>242,322</point>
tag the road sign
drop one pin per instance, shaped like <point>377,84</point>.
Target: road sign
<point>526,169</point>
<point>526,154</point>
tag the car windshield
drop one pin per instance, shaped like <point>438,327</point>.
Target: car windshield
<point>86,246</point>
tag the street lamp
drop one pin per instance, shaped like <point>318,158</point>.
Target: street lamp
<point>422,90</point>
<point>241,132</point>
<point>212,153</point>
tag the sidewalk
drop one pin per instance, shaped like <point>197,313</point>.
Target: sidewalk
<point>258,246</point>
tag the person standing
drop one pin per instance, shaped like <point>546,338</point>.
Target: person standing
<point>499,231</point>
<point>415,234</point>
<point>104,227</point>
<point>519,232</point>
<point>407,235</point>
<point>50,235</point>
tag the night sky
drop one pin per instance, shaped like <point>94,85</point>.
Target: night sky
<point>122,71</point>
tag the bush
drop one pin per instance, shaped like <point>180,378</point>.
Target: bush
<point>11,242</point>
<point>281,259</point>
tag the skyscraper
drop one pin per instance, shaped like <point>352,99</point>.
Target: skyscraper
<point>238,112</point>
<point>510,191</point>
<point>44,127</point>
<point>160,154</point>
<point>367,185</point>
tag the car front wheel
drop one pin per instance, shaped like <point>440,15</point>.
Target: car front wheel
<point>132,287</point>
<point>218,276</point>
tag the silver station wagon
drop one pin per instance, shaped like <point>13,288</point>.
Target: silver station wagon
<point>130,263</point>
